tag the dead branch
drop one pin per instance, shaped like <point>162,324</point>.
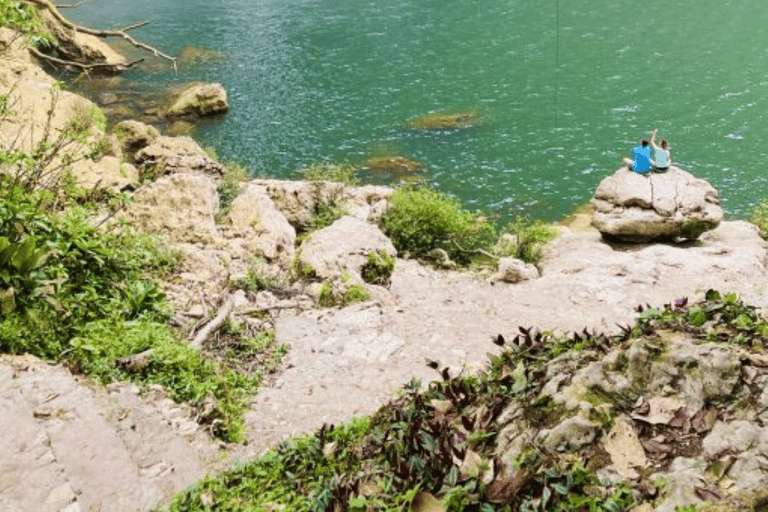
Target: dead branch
<point>85,67</point>
<point>214,325</point>
<point>46,4</point>
<point>138,362</point>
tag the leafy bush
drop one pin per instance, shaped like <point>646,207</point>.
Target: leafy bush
<point>525,239</point>
<point>378,269</point>
<point>760,218</point>
<point>421,220</point>
<point>230,186</point>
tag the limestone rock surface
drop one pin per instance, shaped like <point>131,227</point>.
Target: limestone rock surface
<point>181,205</point>
<point>267,232</point>
<point>668,206</point>
<point>170,155</point>
<point>343,246</point>
<point>134,136</point>
<point>199,99</point>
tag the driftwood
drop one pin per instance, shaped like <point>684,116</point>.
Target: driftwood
<point>122,33</point>
<point>140,361</point>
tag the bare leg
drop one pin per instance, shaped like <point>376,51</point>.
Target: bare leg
<point>628,163</point>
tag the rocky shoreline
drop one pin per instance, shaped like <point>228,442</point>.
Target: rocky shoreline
<point>343,361</point>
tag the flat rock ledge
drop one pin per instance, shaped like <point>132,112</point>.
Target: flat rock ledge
<point>671,206</point>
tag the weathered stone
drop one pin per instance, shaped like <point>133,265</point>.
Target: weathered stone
<point>672,206</point>
<point>134,136</point>
<point>106,173</point>
<point>199,99</point>
<point>513,270</point>
<point>299,200</point>
<point>267,232</point>
<point>180,205</point>
<point>343,246</point>
<point>624,447</point>
<point>169,155</point>
<point>571,434</point>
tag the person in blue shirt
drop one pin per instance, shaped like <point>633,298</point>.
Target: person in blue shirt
<point>641,158</point>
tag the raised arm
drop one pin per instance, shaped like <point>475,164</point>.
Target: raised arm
<point>653,139</point>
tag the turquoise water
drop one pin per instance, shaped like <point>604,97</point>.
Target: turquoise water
<point>566,87</point>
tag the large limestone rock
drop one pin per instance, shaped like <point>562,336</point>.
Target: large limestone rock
<point>106,173</point>
<point>170,155</point>
<point>253,216</point>
<point>199,99</point>
<point>134,136</point>
<point>343,246</point>
<point>181,205</point>
<point>670,206</point>
<point>299,200</point>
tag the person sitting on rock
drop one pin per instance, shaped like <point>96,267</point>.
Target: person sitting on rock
<point>642,158</point>
<point>661,158</point>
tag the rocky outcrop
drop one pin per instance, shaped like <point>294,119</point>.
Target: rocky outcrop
<point>134,136</point>
<point>170,155</point>
<point>670,206</point>
<point>199,99</point>
<point>265,230</point>
<point>299,200</point>
<point>182,206</point>
<point>343,246</point>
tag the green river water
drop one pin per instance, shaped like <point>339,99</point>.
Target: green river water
<point>565,88</point>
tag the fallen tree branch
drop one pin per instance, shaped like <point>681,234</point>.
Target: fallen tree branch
<point>46,4</point>
<point>214,325</point>
<point>85,67</point>
<point>69,6</point>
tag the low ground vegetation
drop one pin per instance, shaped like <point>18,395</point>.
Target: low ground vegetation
<point>436,449</point>
<point>420,221</point>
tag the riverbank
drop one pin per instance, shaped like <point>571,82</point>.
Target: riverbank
<point>343,360</point>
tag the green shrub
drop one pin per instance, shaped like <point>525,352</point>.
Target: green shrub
<point>421,220</point>
<point>378,268</point>
<point>527,239</point>
<point>760,218</point>
<point>230,186</point>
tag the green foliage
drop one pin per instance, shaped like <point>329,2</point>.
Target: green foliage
<point>258,278</point>
<point>70,293</point>
<point>421,220</point>
<point>231,185</point>
<point>350,294</point>
<point>525,239</point>
<point>760,218</point>
<point>21,16</point>
<point>378,269</point>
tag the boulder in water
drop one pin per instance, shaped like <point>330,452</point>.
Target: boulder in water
<point>670,206</point>
<point>199,99</point>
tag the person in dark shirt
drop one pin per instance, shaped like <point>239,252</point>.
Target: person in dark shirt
<point>641,162</point>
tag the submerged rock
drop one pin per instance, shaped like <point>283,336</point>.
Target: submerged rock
<point>392,164</point>
<point>670,206</point>
<point>446,120</point>
<point>199,99</point>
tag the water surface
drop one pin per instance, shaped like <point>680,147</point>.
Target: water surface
<point>566,87</point>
